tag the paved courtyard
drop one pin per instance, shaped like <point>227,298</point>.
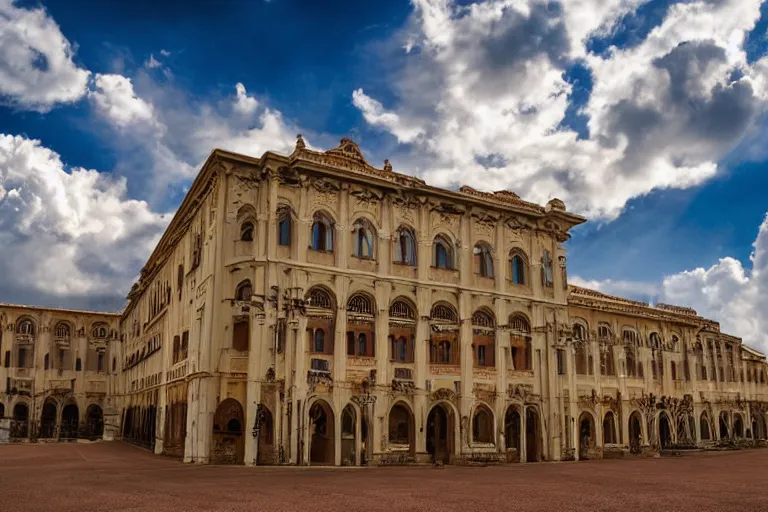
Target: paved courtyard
<point>119,477</point>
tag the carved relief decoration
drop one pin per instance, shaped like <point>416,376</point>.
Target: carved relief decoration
<point>485,392</point>
<point>589,401</point>
<point>520,393</point>
<point>402,387</point>
<point>443,394</point>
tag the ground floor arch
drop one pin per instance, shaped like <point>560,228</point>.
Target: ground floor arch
<point>664,431</point>
<point>609,428</point>
<point>228,434</point>
<point>94,421</point>
<point>512,430</point>
<point>20,425</point>
<point>723,424</point>
<point>266,454</point>
<point>587,435</point>
<point>70,422</point>
<point>533,438</point>
<point>48,417</point>
<point>758,426</point>
<point>704,427</point>
<point>738,427</point>
<point>348,436</point>
<point>401,428</point>
<point>482,425</point>
<point>440,433</point>
<point>322,449</point>
<point>635,431</point>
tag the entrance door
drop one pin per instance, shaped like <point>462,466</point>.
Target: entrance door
<point>586,431</point>
<point>532,436</point>
<point>665,431</point>
<point>439,430</point>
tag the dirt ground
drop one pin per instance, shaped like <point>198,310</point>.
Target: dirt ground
<point>119,477</point>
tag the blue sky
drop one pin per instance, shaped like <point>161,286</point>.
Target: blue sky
<point>643,115</point>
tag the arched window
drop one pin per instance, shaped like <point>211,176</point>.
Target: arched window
<point>675,343</point>
<point>402,310</point>
<point>483,338</point>
<point>405,248</point>
<point>443,253</point>
<point>322,233</point>
<point>629,336</point>
<point>62,330</point>
<point>482,426</point>
<point>655,340</point>
<point>284,226</point>
<point>244,290</point>
<point>579,332</point>
<point>363,239</point>
<point>99,331</point>
<point>630,358</point>
<point>603,332</point>
<point>519,267</point>
<point>520,342</point>
<point>547,277</point>
<point>483,260</point>
<point>319,341</point>
<point>26,327</point>
<point>246,231</point>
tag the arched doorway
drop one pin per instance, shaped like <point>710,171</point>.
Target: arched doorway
<point>738,427</point>
<point>586,435</point>
<point>70,419</point>
<point>723,426</point>
<point>348,436</point>
<point>322,449</point>
<point>635,432</point>
<point>401,430</point>
<point>665,431</point>
<point>20,425</point>
<point>704,427</point>
<point>94,421</point>
<point>758,428</point>
<point>266,453</point>
<point>48,420</point>
<point>512,432</point>
<point>440,426</point>
<point>532,435</point>
<point>228,439</point>
<point>482,426</point>
<point>609,428</point>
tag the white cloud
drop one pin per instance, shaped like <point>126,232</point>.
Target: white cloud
<point>36,67</point>
<point>483,101</point>
<point>152,62</point>
<point>165,53</point>
<point>69,235</point>
<point>244,104</point>
<point>636,290</point>
<point>735,296</point>
<point>116,100</point>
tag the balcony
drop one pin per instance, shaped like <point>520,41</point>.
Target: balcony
<point>96,387</point>
<point>22,386</point>
<point>60,385</point>
<point>62,342</point>
<point>24,339</point>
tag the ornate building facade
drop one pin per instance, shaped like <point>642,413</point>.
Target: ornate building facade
<point>313,309</point>
<point>55,373</point>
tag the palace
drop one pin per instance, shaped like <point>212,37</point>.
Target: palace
<point>314,309</point>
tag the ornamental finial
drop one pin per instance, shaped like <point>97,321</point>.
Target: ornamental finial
<point>387,166</point>
<point>300,142</point>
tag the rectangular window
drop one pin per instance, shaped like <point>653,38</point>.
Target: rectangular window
<point>7,358</point>
<point>561,362</point>
<point>350,343</point>
<point>240,335</point>
<point>403,373</point>
<point>481,355</point>
<point>22,362</point>
<point>284,231</point>
<point>320,365</point>
<point>100,363</point>
<point>184,345</point>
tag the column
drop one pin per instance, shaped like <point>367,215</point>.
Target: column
<point>262,333</point>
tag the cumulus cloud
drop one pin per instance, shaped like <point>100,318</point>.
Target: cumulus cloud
<point>727,292</point>
<point>36,67</point>
<point>72,238</point>
<point>490,84</point>
<point>114,98</point>
<point>244,104</point>
<point>735,296</point>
